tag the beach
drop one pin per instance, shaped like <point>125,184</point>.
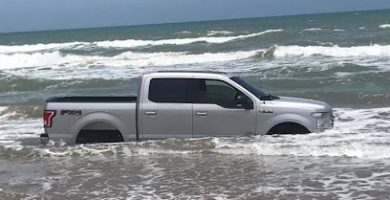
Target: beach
<point>340,58</point>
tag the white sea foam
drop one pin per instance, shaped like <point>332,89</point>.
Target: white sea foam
<point>185,32</point>
<point>166,59</point>
<point>58,60</point>
<point>47,186</point>
<point>384,26</point>
<point>38,59</point>
<point>12,131</point>
<point>40,47</point>
<point>357,133</point>
<point>213,33</point>
<point>361,133</point>
<point>15,126</point>
<point>334,51</point>
<point>131,43</point>
<point>2,109</point>
<point>313,29</point>
<point>338,30</point>
<point>343,74</point>
<point>56,65</point>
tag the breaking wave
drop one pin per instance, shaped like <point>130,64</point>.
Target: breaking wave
<point>313,29</point>
<point>334,51</point>
<point>183,41</point>
<point>214,33</point>
<point>40,47</point>
<point>129,43</point>
<point>56,59</point>
<point>384,26</point>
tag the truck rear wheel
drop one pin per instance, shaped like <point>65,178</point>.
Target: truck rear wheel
<point>288,128</point>
<point>99,136</point>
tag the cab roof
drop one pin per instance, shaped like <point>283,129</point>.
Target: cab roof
<point>185,74</point>
<point>183,71</point>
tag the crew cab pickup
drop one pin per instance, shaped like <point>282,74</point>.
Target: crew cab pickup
<point>182,105</point>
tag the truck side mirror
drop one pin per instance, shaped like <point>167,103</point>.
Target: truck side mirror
<point>244,102</point>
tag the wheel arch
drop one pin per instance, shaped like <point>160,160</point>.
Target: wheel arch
<point>99,118</point>
<point>288,118</point>
<point>295,128</point>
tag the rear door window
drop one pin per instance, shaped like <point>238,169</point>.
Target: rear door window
<point>170,90</point>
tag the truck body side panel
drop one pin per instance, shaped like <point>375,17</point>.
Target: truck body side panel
<point>72,117</point>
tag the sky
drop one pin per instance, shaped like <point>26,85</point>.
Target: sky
<point>33,15</point>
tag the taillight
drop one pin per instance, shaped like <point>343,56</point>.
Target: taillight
<point>48,116</point>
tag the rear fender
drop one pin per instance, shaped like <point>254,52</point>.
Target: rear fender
<point>100,117</point>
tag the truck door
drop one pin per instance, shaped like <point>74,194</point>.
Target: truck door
<point>166,108</point>
<point>219,109</point>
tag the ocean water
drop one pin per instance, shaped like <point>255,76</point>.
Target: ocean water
<point>340,58</point>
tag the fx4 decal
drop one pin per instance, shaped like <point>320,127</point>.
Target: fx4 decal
<point>71,112</point>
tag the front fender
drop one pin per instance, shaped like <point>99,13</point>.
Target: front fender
<point>287,117</point>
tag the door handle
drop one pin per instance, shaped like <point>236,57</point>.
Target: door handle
<point>201,113</point>
<point>150,113</point>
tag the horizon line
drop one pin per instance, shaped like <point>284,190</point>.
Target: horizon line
<point>182,22</point>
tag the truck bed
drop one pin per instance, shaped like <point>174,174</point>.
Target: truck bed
<point>91,116</point>
<point>97,99</point>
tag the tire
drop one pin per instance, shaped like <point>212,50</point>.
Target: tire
<point>288,128</point>
<point>99,136</point>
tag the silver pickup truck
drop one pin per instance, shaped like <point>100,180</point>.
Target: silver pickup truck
<point>182,105</point>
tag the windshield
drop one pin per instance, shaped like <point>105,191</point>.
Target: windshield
<point>260,94</point>
<point>252,89</point>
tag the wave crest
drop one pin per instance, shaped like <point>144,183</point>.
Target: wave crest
<point>313,29</point>
<point>129,43</point>
<point>58,60</point>
<point>216,33</point>
<point>334,51</point>
<point>40,47</point>
<point>384,26</point>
